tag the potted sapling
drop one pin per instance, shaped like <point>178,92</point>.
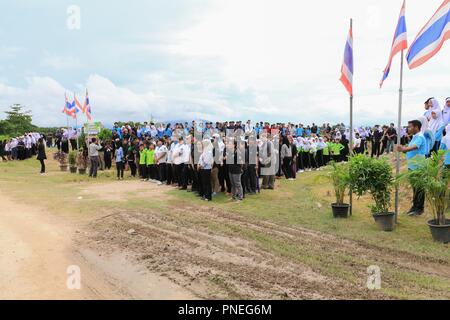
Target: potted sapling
<point>374,177</point>
<point>433,178</point>
<point>339,175</point>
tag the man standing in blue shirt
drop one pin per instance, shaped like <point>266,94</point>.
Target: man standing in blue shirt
<point>417,148</point>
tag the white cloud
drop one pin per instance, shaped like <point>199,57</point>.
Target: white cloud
<point>275,60</point>
<point>61,62</point>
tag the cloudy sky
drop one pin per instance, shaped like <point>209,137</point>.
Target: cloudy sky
<point>276,60</point>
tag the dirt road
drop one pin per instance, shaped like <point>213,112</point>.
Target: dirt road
<point>37,249</point>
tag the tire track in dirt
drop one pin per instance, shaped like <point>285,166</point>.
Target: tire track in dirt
<point>181,246</point>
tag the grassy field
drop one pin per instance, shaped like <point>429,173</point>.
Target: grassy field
<point>294,224</point>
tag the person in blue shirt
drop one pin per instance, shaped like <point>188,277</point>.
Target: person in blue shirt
<point>168,131</point>
<point>445,145</point>
<point>417,148</point>
<point>428,134</point>
<point>120,165</point>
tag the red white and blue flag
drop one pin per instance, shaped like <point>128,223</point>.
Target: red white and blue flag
<point>78,106</point>
<point>431,38</point>
<point>87,107</point>
<point>347,65</point>
<point>69,108</point>
<point>399,43</point>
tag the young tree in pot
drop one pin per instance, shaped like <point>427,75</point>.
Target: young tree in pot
<point>338,173</point>
<point>433,178</point>
<point>81,163</point>
<point>375,177</point>
<point>73,161</point>
<point>61,157</point>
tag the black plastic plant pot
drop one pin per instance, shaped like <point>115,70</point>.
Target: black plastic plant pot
<point>63,167</point>
<point>340,210</point>
<point>385,221</point>
<point>440,233</point>
<point>73,169</point>
<point>81,171</point>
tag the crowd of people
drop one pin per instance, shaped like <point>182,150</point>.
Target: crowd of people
<point>24,147</point>
<point>233,157</point>
<point>236,157</point>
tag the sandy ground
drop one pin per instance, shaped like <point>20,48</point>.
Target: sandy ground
<point>194,252</point>
<point>37,249</point>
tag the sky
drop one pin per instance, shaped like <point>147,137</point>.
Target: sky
<point>264,60</point>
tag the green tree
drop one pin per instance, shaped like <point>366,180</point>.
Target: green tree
<point>17,122</point>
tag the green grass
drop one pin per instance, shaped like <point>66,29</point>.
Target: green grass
<point>304,203</point>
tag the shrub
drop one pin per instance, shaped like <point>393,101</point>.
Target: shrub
<point>73,158</point>
<point>339,175</point>
<point>433,178</point>
<point>372,176</point>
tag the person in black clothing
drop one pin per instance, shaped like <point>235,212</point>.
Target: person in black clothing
<point>2,150</point>
<point>41,154</point>
<point>131,158</point>
<point>108,156</point>
<point>376,137</point>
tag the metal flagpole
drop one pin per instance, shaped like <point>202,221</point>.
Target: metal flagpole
<point>76,121</point>
<point>399,127</point>
<point>351,133</point>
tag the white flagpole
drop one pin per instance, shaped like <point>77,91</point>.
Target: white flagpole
<point>399,128</point>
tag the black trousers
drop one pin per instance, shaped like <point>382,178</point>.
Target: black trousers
<point>418,199</point>
<point>143,171</point>
<point>319,158</point>
<point>42,165</point>
<point>162,172</point>
<point>120,167</point>
<point>205,175</point>
<point>251,178</point>
<point>194,177</point>
<point>182,175</point>
<point>73,144</point>
<point>133,168</point>
<point>169,174</point>
<point>376,149</point>
<point>287,167</point>
<point>151,172</point>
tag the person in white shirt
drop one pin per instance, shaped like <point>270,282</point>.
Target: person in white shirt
<point>205,164</point>
<point>161,159</point>
<point>180,158</point>
<point>446,112</point>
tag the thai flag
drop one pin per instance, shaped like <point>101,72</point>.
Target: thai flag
<point>399,43</point>
<point>431,38</point>
<point>87,107</point>
<point>347,65</point>
<point>78,106</point>
<point>69,108</point>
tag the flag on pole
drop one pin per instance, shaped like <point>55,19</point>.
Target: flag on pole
<point>69,108</point>
<point>347,65</point>
<point>399,43</point>
<point>87,107</point>
<point>79,107</point>
<point>431,38</point>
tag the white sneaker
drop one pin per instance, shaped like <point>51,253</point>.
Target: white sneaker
<point>159,183</point>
